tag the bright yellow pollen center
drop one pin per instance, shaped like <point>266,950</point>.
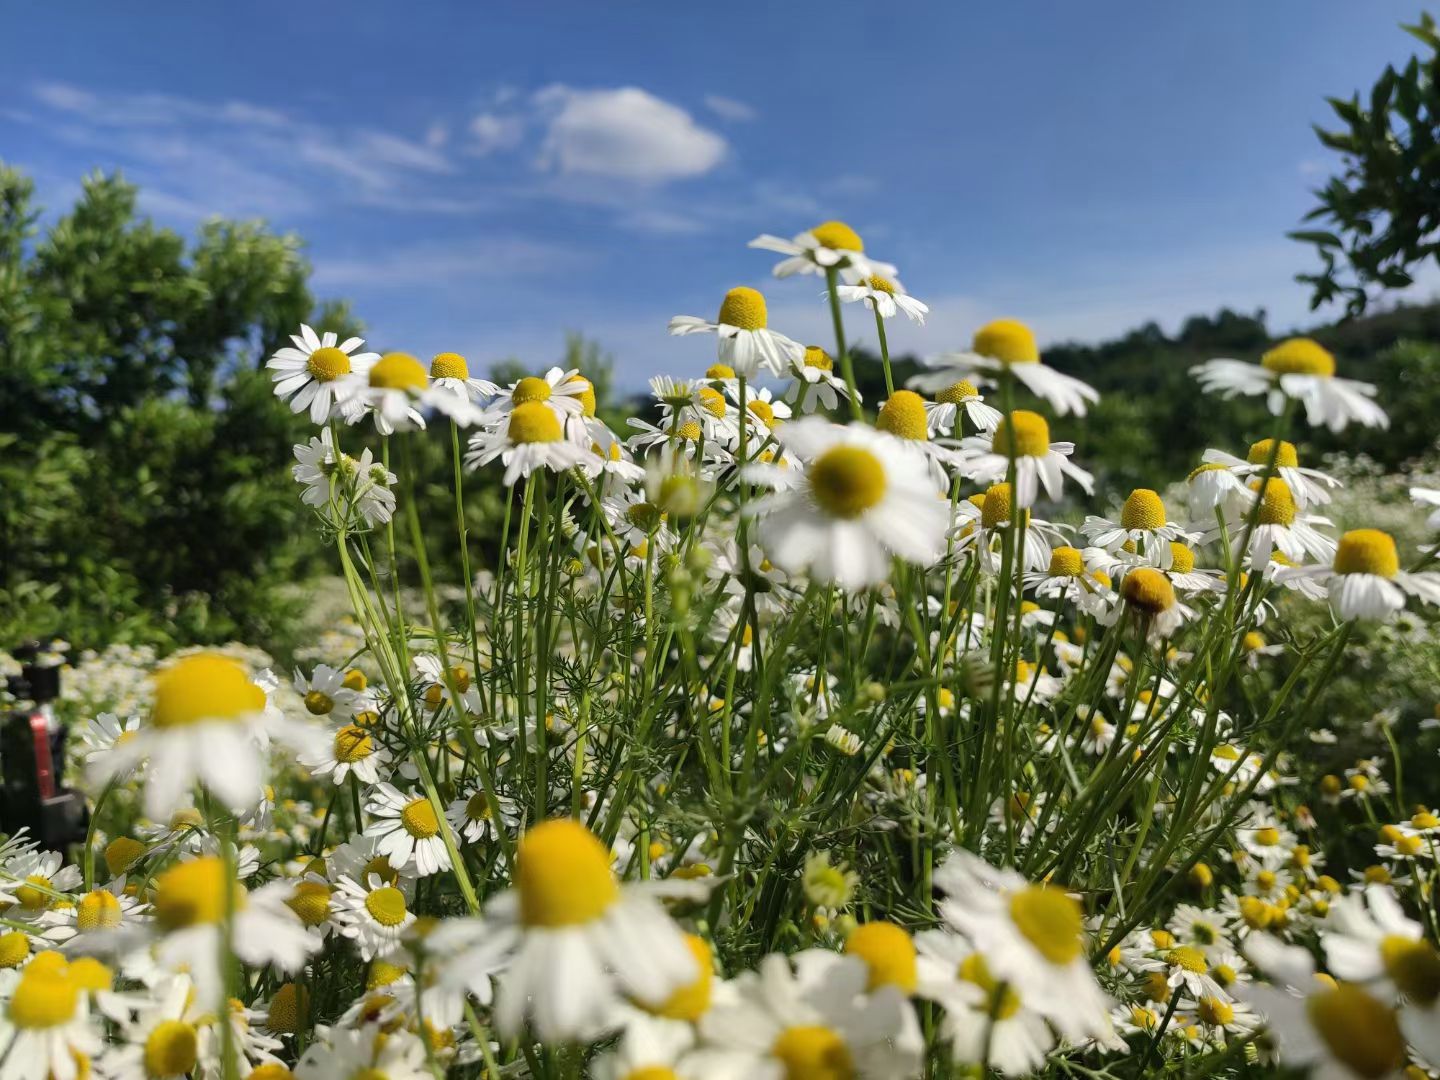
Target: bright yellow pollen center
<point>1367,551</point>
<point>692,1000</point>
<point>1050,920</point>
<point>1213,1011</point>
<point>1182,559</point>
<point>1143,510</point>
<point>1001,1002</point>
<point>957,393</point>
<point>1148,590</point>
<point>204,687</point>
<point>327,364</point>
<point>311,902</point>
<point>711,400</point>
<point>743,308</point>
<point>43,998</point>
<point>419,819</point>
<point>689,431</point>
<point>449,365</point>
<point>651,1072</point>
<point>563,875</point>
<point>847,481</point>
<point>532,422</point>
<point>318,703</point>
<point>1413,966</point>
<point>586,397</point>
<point>386,905</point>
<point>1021,434</point>
<point>352,744</point>
<point>191,893</point>
<point>398,371</point>
<point>817,357</point>
<point>880,284</point>
<point>121,854</point>
<point>995,506</point>
<point>35,893</point>
<point>14,948</point>
<point>477,807</point>
<point>1285,457</point>
<point>762,410</point>
<point>1187,958</point>
<point>171,1049</point>
<point>812,1052</point>
<point>1359,1030</point>
<point>888,952</point>
<point>837,236</point>
<point>904,416</point>
<point>1277,504</point>
<point>97,910</point>
<point>1269,836</point>
<point>1007,340</point>
<point>719,372</point>
<point>1299,356</point>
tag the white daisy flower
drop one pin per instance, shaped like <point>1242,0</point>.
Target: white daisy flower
<point>374,915</point>
<point>327,692</point>
<point>980,519</point>
<point>352,750</point>
<point>317,371</point>
<point>38,877</point>
<point>107,730</point>
<point>1364,580</point>
<point>1212,487</point>
<point>46,1025</point>
<point>1025,437</point>
<point>1003,347</point>
<point>885,296</point>
<point>831,245</point>
<point>1422,496</point>
<point>1372,940</point>
<point>865,497</point>
<point>525,438</point>
<point>745,341</point>
<point>473,818</point>
<point>451,371</point>
<point>405,826</point>
<point>343,1053</point>
<point>1304,371</point>
<point>564,392</point>
<point>1279,526</point>
<point>1143,524</point>
<point>359,857</point>
<point>760,409</point>
<point>944,412</point>
<point>1309,486</point>
<point>399,387</point>
<point>1079,577</point>
<point>816,383</point>
<point>648,1047</point>
<point>903,416</point>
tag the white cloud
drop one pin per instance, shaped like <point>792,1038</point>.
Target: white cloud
<point>624,133</point>
<point>490,132</point>
<point>728,108</point>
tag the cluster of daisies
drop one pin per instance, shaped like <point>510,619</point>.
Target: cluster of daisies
<point>782,739</point>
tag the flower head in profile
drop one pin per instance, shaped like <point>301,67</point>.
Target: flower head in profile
<point>1143,525</point>
<point>318,371</point>
<point>746,342</point>
<point>1006,348</point>
<point>1023,438</point>
<point>398,390</point>
<point>526,437</point>
<point>950,403</point>
<point>831,245</point>
<point>816,383</point>
<point>451,371</point>
<point>884,296</point>
<point>1304,371</point>
<point>1364,580</point>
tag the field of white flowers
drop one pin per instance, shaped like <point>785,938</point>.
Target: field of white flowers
<point>780,743</point>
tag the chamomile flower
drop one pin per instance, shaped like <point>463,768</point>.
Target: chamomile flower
<point>391,393</point>
<point>864,499</point>
<point>831,245</point>
<point>816,383</point>
<point>980,520</point>
<point>1422,496</point>
<point>950,402</point>
<point>353,751</point>
<point>1279,526</point>
<point>344,1053</point>
<point>648,1047</point>
<point>563,392</point>
<point>903,416</point>
<point>474,818</point>
<point>885,296</point>
<point>746,343</point>
<point>1211,487</point>
<point>39,876</point>
<point>1304,371</point>
<point>1372,940</point>
<point>1364,580</point>
<point>327,693</point>
<point>451,371</point>
<point>760,409</point>
<point>1006,348</point>
<point>46,1026</point>
<point>1309,486</point>
<point>1024,438</point>
<point>375,915</point>
<point>103,733</point>
<point>1143,524</point>
<point>1080,577</point>
<point>405,827</point>
<point>525,438</point>
<point>319,371</point>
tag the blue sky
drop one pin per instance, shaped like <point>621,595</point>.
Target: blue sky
<point>481,178</point>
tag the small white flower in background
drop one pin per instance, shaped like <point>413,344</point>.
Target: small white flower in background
<point>759,409</point>
<point>317,372</point>
<point>1364,580</point>
<point>1024,437</point>
<point>329,692</point>
<point>1007,347</point>
<point>451,371</point>
<point>1307,485</point>
<point>473,819</point>
<point>374,915</point>
<point>528,437</point>
<point>1303,370</point>
<point>359,1054</point>
<point>405,826</point>
<point>745,341</point>
<point>884,296</point>
<point>1144,526</point>
<point>843,739</point>
<point>815,382</point>
<point>944,412</point>
<point>105,732</point>
<point>829,245</point>
<point>563,392</point>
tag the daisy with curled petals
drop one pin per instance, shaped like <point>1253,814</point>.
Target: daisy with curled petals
<point>1079,577</point>
<point>831,245</point>
<point>574,930</point>
<point>360,1053</point>
<point>374,915</point>
<point>1374,941</point>
<point>1024,436</point>
<point>1279,526</point>
<point>1308,485</point>
<point>980,519</point>
<point>46,1026</point>
<point>473,817</point>
<point>1004,348</point>
<point>1143,526</point>
<point>746,343</point>
<point>561,391</point>
<point>760,409</point>
<point>399,388</point>
<point>352,751</point>
<point>1212,488</point>
<point>943,413</point>
<point>526,438</point>
<point>39,876</point>
<point>312,373</point>
<point>1365,580</point>
<point>1304,371</point>
<point>451,371</point>
<point>816,383</point>
<point>208,725</point>
<point>865,497</point>
<point>903,416</point>
<point>405,826</point>
<point>885,296</point>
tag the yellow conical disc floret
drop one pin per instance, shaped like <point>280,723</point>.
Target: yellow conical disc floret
<point>888,952</point>
<point>1182,559</point>
<point>1367,551</point>
<point>563,873</point>
<point>289,1009</point>
<point>1148,591</point>
<point>995,507</point>
<point>813,1052</point>
<point>692,1000</point>
<point>847,481</point>
<point>817,357</point>
<point>1007,340</point>
<point>1299,356</point>
<point>719,372</point>
<point>1361,1031</point>
<point>532,422</point>
<point>1050,920</point>
<point>957,393</point>
<point>44,997</point>
<point>202,688</point>
<point>1285,457</point>
<point>743,307</point>
<point>449,365</point>
<point>587,396</point>
<point>1066,562</point>
<point>837,236</point>
<point>97,910</point>
<point>171,1049</point>
<point>530,389</point>
<point>1142,510</point>
<point>191,893</point>
<point>1021,434</point>
<point>904,416</point>
<point>880,284</point>
<point>398,371</point>
<point>121,854</point>
<point>711,400</point>
<point>327,364</point>
<point>1277,503</point>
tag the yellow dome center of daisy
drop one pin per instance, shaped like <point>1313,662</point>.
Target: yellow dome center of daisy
<point>14,948</point>
<point>419,819</point>
<point>1213,1011</point>
<point>743,308</point>
<point>1201,470</point>
<point>1367,551</point>
<point>847,481</point>
<point>1066,562</point>
<point>289,1009</point>
<point>530,389</point>
<point>171,1049</point>
<point>719,372</point>
<point>1277,504</point>
<point>398,371</point>
<point>1182,559</point>
<point>711,400</point>
<point>449,365</point>
<point>1050,920</point>
<point>193,893</point>
<point>97,910</point>
<point>904,416</point>
<point>121,854</point>
<point>817,357</point>
<point>1007,340</point>
<point>995,507</point>
<point>1143,509</point>
<point>837,236</point>
<point>352,744</point>
<point>1299,356</point>
<point>204,687</point>
<point>318,703</point>
<point>311,902</point>
<point>532,422</point>
<point>957,393</point>
<point>1413,966</point>
<point>327,364</point>
<point>813,1052</point>
<point>880,284</point>
<point>35,893</point>
<point>586,397</point>
<point>689,431</point>
<point>1285,457</point>
<point>386,905</point>
<point>1187,958</point>
<point>381,868</point>
<point>564,875</point>
<point>477,807</point>
<point>651,1072</point>
<point>1001,1002</point>
<point>1358,1030</point>
<point>692,1000</point>
<point>1021,434</point>
<point>1148,591</point>
<point>888,952</point>
<point>762,410</point>
<point>43,998</point>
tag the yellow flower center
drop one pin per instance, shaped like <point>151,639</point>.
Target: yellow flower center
<point>121,854</point>
<point>880,284</point>
<point>97,910</point>
<point>1187,958</point>
<point>1277,504</point>
<point>995,507</point>
<point>398,371</point>
<point>1299,356</point>
<point>1265,881</point>
<point>532,422</point>
<point>289,1009</point>
<point>1050,920</point>
<point>1182,559</point>
<point>1001,1002</point>
<point>1253,640</point>
<point>1285,457</point>
<point>35,893</point>
<point>904,416</point>
<point>888,952</point>
<point>1142,510</point>
<point>689,431</point>
<point>327,364</point>
<point>957,393</point>
<point>719,372</point>
<point>744,308</point>
<point>204,687</point>
<point>271,1070</point>
<point>1148,590</point>
<point>419,819</point>
<point>1209,466</point>
<point>847,481</point>
<point>563,875</point>
<point>386,905</point>
<point>311,902</point>
<point>762,410</point>
<point>190,893</point>
<point>1007,340</point>
<point>586,397</point>
<point>1413,966</point>
<point>1224,974</point>
<point>90,975</point>
<point>171,1049</point>
<point>711,400</point>
<point>477,807</point>
<point>651,1072</point>
<point>352,744</point>
<point>1367,551</point>
<point>1358,1030</point>
<point>1213,1011</point>
<point>382,973</point>
<point>812,1052</point>
<point>530,390</point>
<point>449,365</point>
<point>691,1001</point>
<point>318,704</point>
<point>1269,836</point>
<point>817,357</point>
<point>14,948</point>
<point>355,680</point>
<point>837,236</point>
<point>43,998</point>
<point>1021,434</point>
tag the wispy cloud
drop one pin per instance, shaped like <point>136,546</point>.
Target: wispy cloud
<point>625,133</point>
<point>727,108</point>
